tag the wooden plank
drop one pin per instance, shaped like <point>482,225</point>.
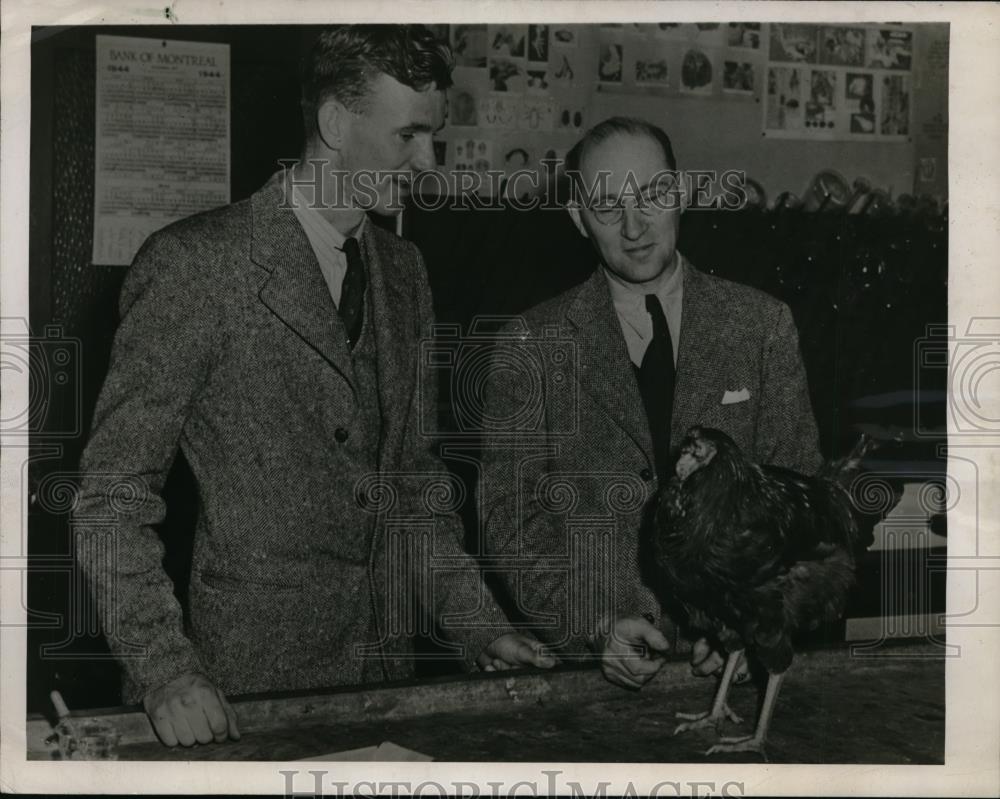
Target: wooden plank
<point>490,694</point>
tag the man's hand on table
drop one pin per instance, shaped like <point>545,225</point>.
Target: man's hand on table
<point>704,659</point>
<point>190,710</point>
<point>632,652</point>
<point>513,650</point>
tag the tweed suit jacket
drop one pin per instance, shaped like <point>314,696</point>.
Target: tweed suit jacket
<point>565,497</point>
<point>308,541</point>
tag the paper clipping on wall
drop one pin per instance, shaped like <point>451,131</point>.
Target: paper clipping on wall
<point>162,147</point>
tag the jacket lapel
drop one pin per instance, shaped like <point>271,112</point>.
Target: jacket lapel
<point>295,290</point>
<point>698,378</point>
<point>395,331</point>
<point>607,374</point>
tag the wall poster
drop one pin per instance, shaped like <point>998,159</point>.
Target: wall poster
<point>162,141</point>
<point>838,82</point>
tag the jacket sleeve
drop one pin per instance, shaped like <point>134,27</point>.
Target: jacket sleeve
<point>162,353</point>
<point>786,428</point>
<point>562,581</point>
<point>464,607</point>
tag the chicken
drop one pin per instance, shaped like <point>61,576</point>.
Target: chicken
<point>754,554</point>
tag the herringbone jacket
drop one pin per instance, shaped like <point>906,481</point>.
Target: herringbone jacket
<point>569,475</point>
<point>312,541</point>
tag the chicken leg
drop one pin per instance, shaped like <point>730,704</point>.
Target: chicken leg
<point>755,742</point>
<point>720,708</point>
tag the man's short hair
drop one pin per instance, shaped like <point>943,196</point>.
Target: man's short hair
<point>345,59</point>
<point>616,126</point>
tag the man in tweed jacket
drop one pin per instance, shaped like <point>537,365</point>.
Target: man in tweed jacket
<point>320,504</point>
<point>567,483</point>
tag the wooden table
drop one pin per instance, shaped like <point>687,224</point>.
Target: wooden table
<point>886,706</point>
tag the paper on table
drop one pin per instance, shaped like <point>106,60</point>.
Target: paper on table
<point>385,751</point>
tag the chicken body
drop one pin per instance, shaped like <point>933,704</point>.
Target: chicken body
<point>754,554</point>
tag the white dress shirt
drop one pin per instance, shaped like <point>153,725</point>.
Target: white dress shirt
<point>327,242</point>
<point>637,325</point>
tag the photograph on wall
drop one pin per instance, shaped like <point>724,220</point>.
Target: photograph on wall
<point>538,43</point>
<point>516,158</point>
<point>890,49</point>
<point>563,36</point>
<point>697,74</point>
<point>609,62</point>
<point>651,65</point>
<point>821,107</point>
<point>537,114</point>
<point>468,43</point>
<point>652,72</point>
<point>473,155</point>
<point>738,77</point>
<point>518,164</point>
<point>895,105</point>
<point>571,118</point>
<point>507,40</point>
<point>565,73</point>
<point>860,94</point>
<point>498,111</point>
<point>743,34</point>
<point>462,103</point>
<point>842,46</point>
<point>783,99</point>
<point>796,43</point>
<point>537,81</point>
<point>506,75</point>
<point>469,85</point>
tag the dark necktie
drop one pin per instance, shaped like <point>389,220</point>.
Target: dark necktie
<point>656,383</point>
<point>352,292</point>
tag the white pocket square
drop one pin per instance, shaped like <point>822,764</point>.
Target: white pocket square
<point>732,397</point>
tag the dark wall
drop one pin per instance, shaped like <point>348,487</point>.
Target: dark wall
<point>862,289</point>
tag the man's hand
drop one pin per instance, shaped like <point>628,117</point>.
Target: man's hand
<point>190,709</point>
<point>513,650</point>
<point>705,660</point>
<point>632,652</point>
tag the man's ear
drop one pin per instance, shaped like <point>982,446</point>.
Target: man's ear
<point>332,120</point>
<point>574,213</point>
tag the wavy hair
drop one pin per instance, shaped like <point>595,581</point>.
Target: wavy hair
<point>345,59</point>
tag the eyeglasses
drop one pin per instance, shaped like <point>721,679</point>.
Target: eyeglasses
<point>649,205</point>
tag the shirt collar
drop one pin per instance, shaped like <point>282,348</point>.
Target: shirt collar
<point>627,298</point>
<point>314,220</point>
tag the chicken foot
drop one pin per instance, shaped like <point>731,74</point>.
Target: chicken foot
<point>720,707</point>
<point>755,742</point>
